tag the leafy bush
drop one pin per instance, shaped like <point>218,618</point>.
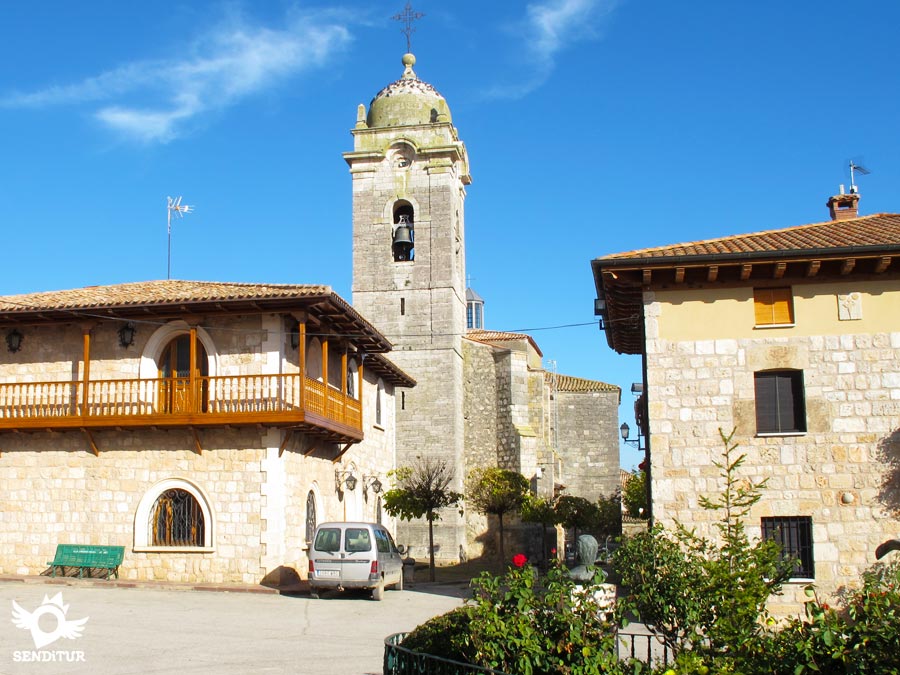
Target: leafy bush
<point>634,496</point>
<point>446,636</point>
<point>523,624</point>
<point>703,595</point>
<point>861,638</point>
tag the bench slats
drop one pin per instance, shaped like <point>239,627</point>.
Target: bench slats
<point>85,556</point>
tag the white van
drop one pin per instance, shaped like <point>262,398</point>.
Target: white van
<point>354,555</point>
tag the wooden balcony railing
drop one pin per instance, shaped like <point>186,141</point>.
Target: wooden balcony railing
<point>180,401</point>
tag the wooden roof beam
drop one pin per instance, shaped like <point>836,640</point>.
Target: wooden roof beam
<point>91,443</point>
<point>712,273</point>
<point>848,266</point>
<point>812,268</point>
<point>883,264</point>
<point>646,277</point>
<point>679,275</point>
<point>197,447</point>
<point>745,271</point>
<point>779,270</point>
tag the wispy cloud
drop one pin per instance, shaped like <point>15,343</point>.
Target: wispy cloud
<point>547,29</point>
<point>229,63</point>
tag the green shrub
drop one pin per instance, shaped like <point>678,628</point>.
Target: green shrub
<point>446,636</point>
<point>528,626</point>
<point>706,595</point>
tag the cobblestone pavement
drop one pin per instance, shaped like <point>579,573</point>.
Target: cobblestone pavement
<point>157,629</point>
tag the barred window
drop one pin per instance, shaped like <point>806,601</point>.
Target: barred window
<point>177,520</point>
<point>794,535</point>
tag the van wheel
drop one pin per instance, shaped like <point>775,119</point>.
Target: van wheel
<point>378,591</point>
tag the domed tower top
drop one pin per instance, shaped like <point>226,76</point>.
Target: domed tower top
<point>407,102</point>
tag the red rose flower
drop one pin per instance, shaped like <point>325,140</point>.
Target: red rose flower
<point>519,560</point>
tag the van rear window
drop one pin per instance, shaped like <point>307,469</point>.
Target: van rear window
<point>356,540</point>
<point>328,540</point>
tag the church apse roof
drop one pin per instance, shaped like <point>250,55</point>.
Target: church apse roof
<point>567,383</point>
<point>495,337</point>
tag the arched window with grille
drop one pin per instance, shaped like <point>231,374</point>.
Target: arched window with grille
<point>174,514</point>
<point>310,516</point>
<point>177,520</point>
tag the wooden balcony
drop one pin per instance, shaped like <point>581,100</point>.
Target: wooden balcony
<point>291,401</point>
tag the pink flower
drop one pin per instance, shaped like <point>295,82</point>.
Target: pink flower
<point>519,560</point>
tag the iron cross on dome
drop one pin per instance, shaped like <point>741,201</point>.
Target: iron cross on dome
<point>407,16</point>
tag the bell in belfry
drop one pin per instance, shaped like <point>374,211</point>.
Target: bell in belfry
<point>403,240</point>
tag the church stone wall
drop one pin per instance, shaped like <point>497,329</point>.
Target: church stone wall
<point>589,442</point>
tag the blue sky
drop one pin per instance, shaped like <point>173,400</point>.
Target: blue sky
<point>593,127</point>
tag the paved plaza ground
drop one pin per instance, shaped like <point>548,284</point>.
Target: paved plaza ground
<point>146,629</point>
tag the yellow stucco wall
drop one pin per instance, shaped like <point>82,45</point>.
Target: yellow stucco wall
<point>716,313</point>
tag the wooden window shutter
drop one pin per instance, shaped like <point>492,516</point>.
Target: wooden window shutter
<point>773,306</point>
<point>780,405</point>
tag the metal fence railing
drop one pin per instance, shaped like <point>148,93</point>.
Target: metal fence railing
<point>399,660</point>
<point>645,647</point>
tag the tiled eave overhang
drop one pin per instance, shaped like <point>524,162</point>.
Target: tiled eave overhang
<point>324,308</point>
<point>621,281</point>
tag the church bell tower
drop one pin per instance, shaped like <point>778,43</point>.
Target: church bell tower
<point>410,173</point>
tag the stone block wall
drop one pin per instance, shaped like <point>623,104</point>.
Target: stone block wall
<point>589,442</point>
<point>843,471</point>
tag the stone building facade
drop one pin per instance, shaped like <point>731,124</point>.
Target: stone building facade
<point>99,443</point>
<point>481,398</point>
<point>791,338</point>
<point>556,430</point>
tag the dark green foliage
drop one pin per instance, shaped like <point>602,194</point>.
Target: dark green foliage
<point>862,638</point>
<point>634,495</point>
<point>522,624</point>
<point>420,492</point>
<point>577,513</point>
<point>497,492</point>
<point>609,515</point>
<point>542,511</point>
<point>446,636</point>
<point>700,594</point>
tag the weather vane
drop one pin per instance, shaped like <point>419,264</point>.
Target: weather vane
<point>407,16</point>
<point>179,209</point>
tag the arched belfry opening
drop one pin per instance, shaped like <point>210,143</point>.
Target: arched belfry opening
<point>403,231</point>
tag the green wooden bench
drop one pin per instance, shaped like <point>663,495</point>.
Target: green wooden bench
<point>88,557</point>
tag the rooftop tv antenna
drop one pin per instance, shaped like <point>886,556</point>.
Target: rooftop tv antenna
<point>854,169</point>
<point>407,16</point>
<point>174,205</point>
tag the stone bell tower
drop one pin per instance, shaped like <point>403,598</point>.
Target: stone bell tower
<point>409,172</point>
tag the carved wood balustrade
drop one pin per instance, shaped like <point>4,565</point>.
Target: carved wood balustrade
<point>287,400</point>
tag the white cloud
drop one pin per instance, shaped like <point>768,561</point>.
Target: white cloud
<point>221,67</point>
<point>547,29</point>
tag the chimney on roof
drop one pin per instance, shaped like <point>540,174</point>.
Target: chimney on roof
<point>844,207</point>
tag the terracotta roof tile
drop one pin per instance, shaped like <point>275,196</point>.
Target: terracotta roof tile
<point>568,383</point>
<point>153,292</point>
<point>877,230</point>
<point>176,297</point>
<point>494,336</point>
